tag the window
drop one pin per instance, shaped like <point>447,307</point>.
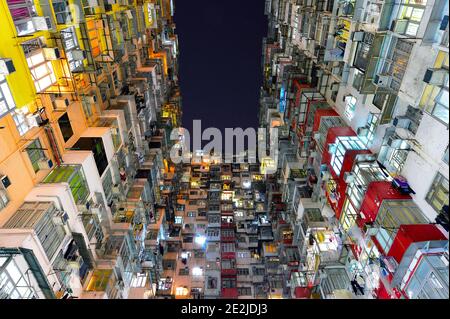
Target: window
<point>228,247</point>
<point>14,283</point>
<point>139,281</point>
<point>258,271</point>
<point>41,70</point>
<point>435,96</point>
<point>21,122</point>
<point>339,149</point>
<point>228,283</point>
<point>89,7</point>
<point>94,37</point>
<point>358,79</point>
<point>107,184</point>
<point>35,153</point>
<point>446,155</point>
<point>437,196</point>
<point>66,127</point>
<point>70,43</point>
<point>409,17</point>
<point>245,291</point>
<point>21,12</point>
<point>191,214</point>
<point>350,106</point>
<point>213,232</point>
<point>243,254</point>
<point>62,12</point>
<point>369,133</point>
<point>243,271</point>
<point>4,200</point>
<point>188,239</point>
<point>184,271</point>
<point>362,52</point>
<point>6,100</point>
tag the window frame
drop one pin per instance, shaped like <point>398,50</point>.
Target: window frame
<point>36,151</point>
<point>6,97</point>
<point>437,186</point>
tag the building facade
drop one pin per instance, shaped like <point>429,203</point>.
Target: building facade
<point>356,206</point>
<point>359,93</point>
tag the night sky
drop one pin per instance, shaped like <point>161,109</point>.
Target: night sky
<point>220,61</point>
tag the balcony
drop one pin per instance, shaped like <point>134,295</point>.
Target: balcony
<point>72,175</point>
<point>102,284</point>
<point>26,20</point>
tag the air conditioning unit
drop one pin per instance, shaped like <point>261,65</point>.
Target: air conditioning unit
<point>383,81</point>
<point>34,119</point>
<point>61,103</point>
<point>6,66</point>
<point>402,122</point>
<point>435,77</point>
<point>42,23</point>
<point>358,36</point>
<point>45,164</point>
<point>51,54</point>
<point>5,182</point>
<point>60,218</point>
<point>79,55</point>
<point>93,3</point>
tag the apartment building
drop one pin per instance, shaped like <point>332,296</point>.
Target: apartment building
<point>359,93</point>
<point>88,93</point>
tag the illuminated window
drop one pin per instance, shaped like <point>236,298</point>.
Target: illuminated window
<point>6,100</point>
<point>70,43</point>
<point>191,214</point>
<point>409,17</point>
<point>139,281</point>
<point>435,97</point>
<point>41,70</point>
<point>350,106</point>
<point>197,271</point>
<point>368,133</point>
<point>181,291</point>
<point>94,38</point>
<point>437,196</point>
<point>342,145</point>
<point>178,220</point>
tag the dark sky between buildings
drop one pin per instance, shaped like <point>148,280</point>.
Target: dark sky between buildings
<point>220,61</point>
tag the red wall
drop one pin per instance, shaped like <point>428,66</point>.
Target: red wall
<point>375,194</point>
<point>408,234</point>
<point>319,114</point>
